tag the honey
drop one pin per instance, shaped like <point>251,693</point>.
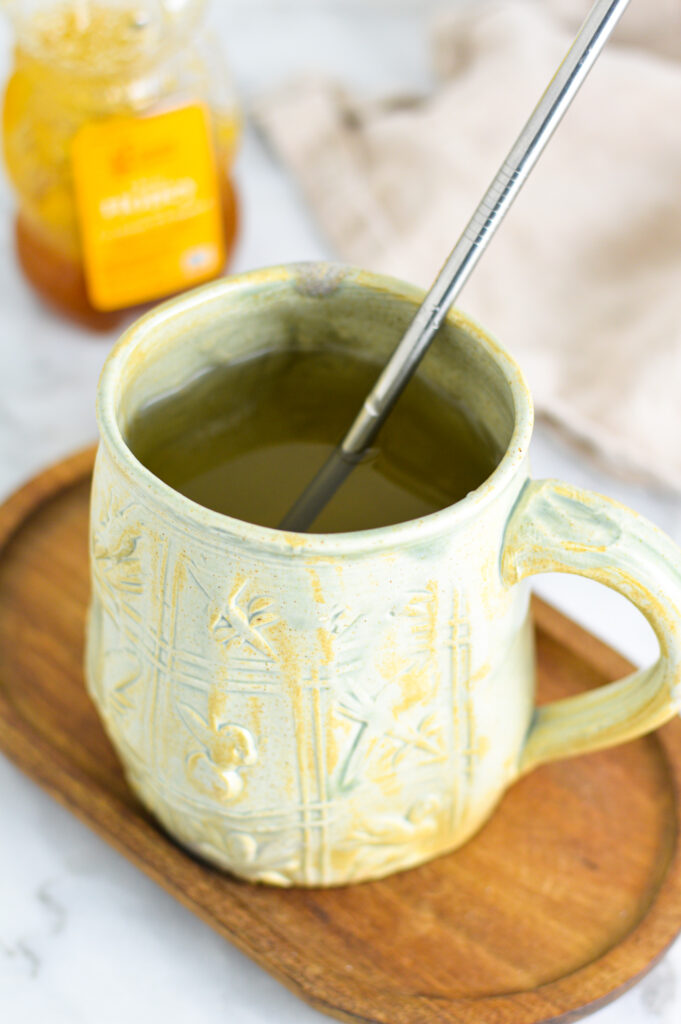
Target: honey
<point>77,63</point>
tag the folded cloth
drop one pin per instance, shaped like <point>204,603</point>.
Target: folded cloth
<point>583,281</point>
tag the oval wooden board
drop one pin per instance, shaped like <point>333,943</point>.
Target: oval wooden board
<point>563,900</point>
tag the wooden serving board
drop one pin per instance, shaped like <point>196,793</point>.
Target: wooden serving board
<point>564,899</point>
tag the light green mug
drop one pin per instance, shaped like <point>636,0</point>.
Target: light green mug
<point>323,709</point>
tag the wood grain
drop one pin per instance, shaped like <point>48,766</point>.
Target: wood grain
<point>564,899</point>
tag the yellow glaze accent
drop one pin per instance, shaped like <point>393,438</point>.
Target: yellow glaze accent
<point>323,709</point>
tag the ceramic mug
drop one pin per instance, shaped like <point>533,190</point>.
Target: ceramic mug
<point>322,709</point>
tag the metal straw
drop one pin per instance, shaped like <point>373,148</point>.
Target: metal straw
<point>508,181</point>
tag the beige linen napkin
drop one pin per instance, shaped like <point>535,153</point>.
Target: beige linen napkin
<point>583,281</point>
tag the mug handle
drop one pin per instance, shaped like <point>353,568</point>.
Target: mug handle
<point>558,528</point>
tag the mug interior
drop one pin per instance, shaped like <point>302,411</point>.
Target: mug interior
<point>307,308</point>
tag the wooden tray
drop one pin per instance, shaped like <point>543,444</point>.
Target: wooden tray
<point>563,901</point>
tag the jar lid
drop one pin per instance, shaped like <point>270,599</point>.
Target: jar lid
<point>104,36</point>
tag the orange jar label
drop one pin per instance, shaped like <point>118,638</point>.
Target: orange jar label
<point>148,205</point>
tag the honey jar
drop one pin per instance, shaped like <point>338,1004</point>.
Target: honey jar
<point>119,129</point>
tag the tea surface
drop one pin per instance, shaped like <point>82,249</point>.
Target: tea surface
<point>246,438</point>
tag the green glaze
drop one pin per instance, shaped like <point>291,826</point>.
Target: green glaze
<point>327,708</point>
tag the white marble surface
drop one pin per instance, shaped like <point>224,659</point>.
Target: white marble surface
<point>84,936</point>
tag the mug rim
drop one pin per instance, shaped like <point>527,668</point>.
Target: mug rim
<point>358,541</point>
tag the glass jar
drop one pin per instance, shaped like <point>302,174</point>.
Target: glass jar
<point>119,130</point>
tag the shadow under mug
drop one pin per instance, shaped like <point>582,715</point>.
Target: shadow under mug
<point>323,709</point>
